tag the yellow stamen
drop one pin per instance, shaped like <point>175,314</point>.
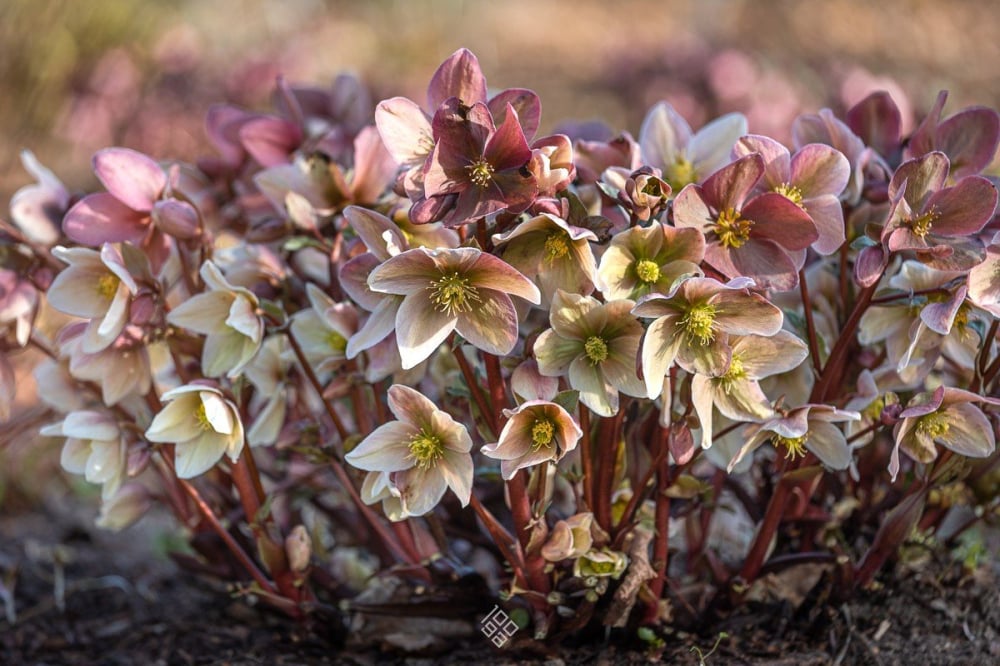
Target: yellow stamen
<point>921,225</point>
<point>933,425</point>
<point>596,349</point>
<point>733,231</point>
<point>480,173</point>
<point>542,433</point>
<point>790,192</point>
<point>336,342</point>
<point>556,246</point>
<point>679,174</point>
<point>647,270</point>
<point>453,294</point>
<point>795,447</point>
<point>201,416</point>
<point>735,373</point>
<point>426,449</point>
<point>699,322</point>
<point>107,285</point>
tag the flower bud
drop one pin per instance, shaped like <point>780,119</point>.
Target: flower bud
<point>298,547</point>
<point>268,230</point>
<point>176,218</point>
<point>127,506</point>
<point>601,563</point>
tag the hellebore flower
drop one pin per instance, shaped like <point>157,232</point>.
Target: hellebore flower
<point>826,128</point>
<point>643,260</point>
<point>601,563</point>
<point>203,425</point>
<point>121,369</point>
<point>420,455</point>
<point>809,427</point>
<point>570,538</point>
<point>535,432</point>
<point>595,345</point>
<point>552,164</point>
<point>969,138</point>
<point>96,286</point>
<point>324,329</point>
<point>737,393</point>
<point>984,280</point>
<point>946,417</point>
<point>693,322</point>
<point>642,193</point>
<point>763,238</point>
<point>813,179</point>
<point>684,157</point>
<point>94,448</point>
<point>227,315</point>
<point>37,209</point>
<point>464,289</point>
<point>18,303</point>
<point>553,253</point>
<point>128,505</point>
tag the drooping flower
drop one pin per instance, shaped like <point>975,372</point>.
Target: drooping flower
<point>202,424</point>
<point>737,393</point>
<point>268,373</point>
<point>807,428</point>
<point>96,286</point>
<point>642,193</point>
<point>570,538</point>
<point>447,290</point>
<point>419,456</point>
<point>553,253</point>
<point>324,329</point>
<point>94,448</point>
<point>763,238</point>
<point>595,345</point>
<point>227,315</point>
<point>18,303</point>
<point>946,416</point>
<point>122,370</point>
<point>682,156</point>
<point>37,209</point>
<point>644,260</point>
<point>536,431</point>
<point>813,179</point>
<point>693,322</point>
<point>128,505</point>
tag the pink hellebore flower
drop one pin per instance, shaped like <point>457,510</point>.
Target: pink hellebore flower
<point>18,302</point>
<point>763,238</point>
<point>203,425</point>
<point>946,417</point>
<point>682,156</point>
<point>644,260</point>
<point>809,427</point>
<point>693,322</point>
<point>227,315</point>
<point>447,290</point>
<point>420,455</point>
<point>323,329</point>
<point>969,138</point>
<point>122,370</point>
<point>984,280</point>
<point>38,209</point>
<point>813,179</point>
<point>96,286</point>
<point>826,128</point>
<point>535,432</point>
<point>94,448</point>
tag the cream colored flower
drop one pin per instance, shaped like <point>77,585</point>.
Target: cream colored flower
<point>535,432</point>
<point>202,424</point>
<point>324,329</point>
<point>94,448</point>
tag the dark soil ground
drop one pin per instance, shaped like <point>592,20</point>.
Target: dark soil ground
<point>72,594</point>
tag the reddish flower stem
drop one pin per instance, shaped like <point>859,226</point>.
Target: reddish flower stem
<point>810,324</point>
<point>661,543</point>
<point>311,376</point>
<point>474,389</point>
<point>607,445</point>
<point>586,458</point>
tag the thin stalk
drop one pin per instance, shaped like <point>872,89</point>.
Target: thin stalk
<point>311,376</point>
<point>810,323</point>
<point>474,389</point>
<point>586,459</point>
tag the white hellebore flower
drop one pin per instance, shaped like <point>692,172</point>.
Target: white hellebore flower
<point>94,448</point>
<point>228,316</point>
<point>202,424</point>
<point>420,456</point>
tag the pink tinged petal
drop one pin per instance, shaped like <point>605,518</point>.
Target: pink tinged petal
<point>766,356</point>
<point>386,449</point>
<point>270,140</point>
<point>507,148</point>
<point>729,186</point>
<point>527,382</point>
<point>374,167</point>
<point>777,160</point>
<point>711,146</point>
<point>970,139</point>
<point>740,313</point>
<point>131,177</point>
<point>197,456</point>
<point>89,425</point>
<point>620,368</point>
<point>203,313</point>
<point>576,317</point>
<point>869,265</point>
<point>457,471</point>
<point>923,404</point>
<point>663,136</point>
<point>596,392</point>
<point>408,273</point>
<point>459,76</point>
<point>660,344</point>
<point>919,178</point>
<point>405,130</point>
<point>491,324</point>
<point>828,443</point>
<point>751,445</point>
<point>712,359</point>
<point>939,317</point>
<point>489,271</point>
<point>555,353</point>
<point>74,291</point>
<point>411,406</point>
<point>763,260</point>
<point>420,489</point>
<point>524,102</point>
<point>354,281</point>
<point>692,210</point>
<point>877,120</point>
<point>963,209</point>
<point>969,431</point>
<point>984,283</point>
<point>779,220</point>
<point>818,169</point>
<point>222,123</point>
<point>376,328</point>
<point>741,400</point>
<point>101,218</point>
<point>421,328</point>
<point>702,397</point>
<point>827,214</point>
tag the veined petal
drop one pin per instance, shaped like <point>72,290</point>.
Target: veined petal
<point>421,328</point>
<point>411,406</point>
<point>386,449</point>
<point>663,135</point>
<point>729,186</point>
<point>489,271</point>
<point>405,130</point>
<point>407,273</point>
<point>89,425</point>
<point>969,431</point>
<point>379,324</point>
<point>818,169</point>
<point>596,392</point>
<point>660,344</point>
<point>203,313</point>
<point>765,356</point>
<point>740,313</point>
<point>198,455</point>
<point>457,470</point>
<point>828,444</point>
<point>711,146</point>
<point>555,353</point>
<point>459,76</point>
<point>491,325</point>
<point>827,214</point>
<point>777,160</point>
<point>575,317</point>
<point>133,178</point>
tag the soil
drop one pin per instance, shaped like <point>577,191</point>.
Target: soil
<point>85,596</point>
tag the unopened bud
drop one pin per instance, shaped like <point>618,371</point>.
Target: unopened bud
<point>268,230</point>
<point>176,218</point>
<point>143,309</point>
<point>298,547</point>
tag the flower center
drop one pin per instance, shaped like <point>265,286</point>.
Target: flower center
<point>933,425</point>
<point>733,231</point>
<point>453,293</point>
<point>735,373</point>
<point>426,449</point>
<point>699,322</point>
<point>542,433</point>
<point>790,192</point>
<point>596,349</point>
<point>680,173</point>
<point>336,342</point>
<point>795,447</point>
<point>647,270</point>
<point>480,173</point>
<point>556,246</point>
<point>201,416</point>
<point>107,285</point>
<point>921,225</point>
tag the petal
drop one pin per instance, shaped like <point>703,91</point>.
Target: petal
<point>524,102</point>
<point>270,140</point>
<point>729,186</point>
<point>766,356</point>
<point>828,444</point>
<point>410,272</point>
<point>740,313</point>
<point>491,325</point>
<point>405,130</point>
<point>420,489</point>
<point>779,220</point>
<point>596,392</point>
<point>777,160</point>
<point>90,426</point>
<point>702,398</point>
<point>174,423</point>
<point>969,138</point>
<point>203,313</point>
<point>101,218</point>
<point>554,353</point>
<point>218,412</point>
<point>711,146</point>
<point>373,227</point>
<point>459,76</point>
<point>421,328</point>
<point>354,281</point>
<point>691,209</point>
<point>660,344</point>
<point>131,177</point>
<point>457,471</point>
<point>576,317</point>
<point>489,271</point>
<point>963,209</point>
<point>663,135</point>
<point>386,449</point>
<point>827,214</point>
<point>376,328</point>
<point>969,431</point>
<point>818,169</point>
<point>200,454</point>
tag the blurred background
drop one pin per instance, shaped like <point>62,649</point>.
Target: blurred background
<point>78,76</point>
